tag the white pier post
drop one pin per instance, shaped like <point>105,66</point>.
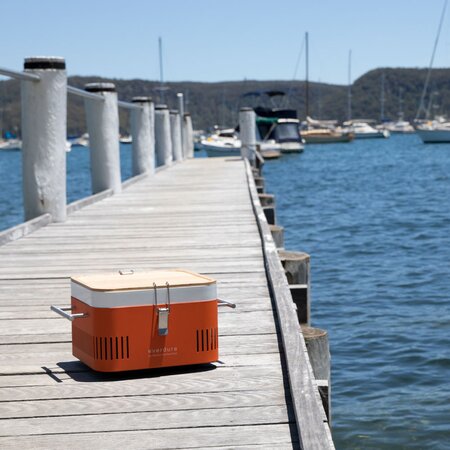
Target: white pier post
<point>102,119</point>
<point>247,125</point>
<point>180,98</point>
<point>189,136</point>
<point>44,117</point>
<point>141,131</point>
<point>163,142</point>
<point>175,131</point>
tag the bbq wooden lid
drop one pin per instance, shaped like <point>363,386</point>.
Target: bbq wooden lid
<point>134,280</point>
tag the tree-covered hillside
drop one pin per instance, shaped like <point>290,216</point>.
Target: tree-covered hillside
<point>219,103</point>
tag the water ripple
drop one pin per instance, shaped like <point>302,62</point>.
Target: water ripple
<point>375,217</point>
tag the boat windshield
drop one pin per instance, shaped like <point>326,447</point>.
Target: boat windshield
<point>286,132</point>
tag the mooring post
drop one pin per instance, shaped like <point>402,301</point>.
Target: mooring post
<point>102,118</point>
<point>180,98</point>
<point>277,235</point>
<point>44,117</point>
<point>297,269</point>
<point>175,131</point>
<point>141,131</point>
<point>318,347</point>
<point>163,141</point>
<point>189,136</point>
<point>247,126</point>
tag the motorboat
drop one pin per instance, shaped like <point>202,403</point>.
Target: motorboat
<point>10,144</point>
<point>222,143</point>
<point>362,130</point>
<point>399,127</point>
<point>125,139</point>
<point>16,145</point>
<point>282,131</point>
<point>326,136</point>
<point>314,131</point>
<point>82,141</point>
<point>436,131</point>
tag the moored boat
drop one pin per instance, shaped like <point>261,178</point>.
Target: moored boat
<point>362,130</point>
<point>434,132</point>
<point>10,144</point>
<point>222,143</point>
<point>325,136</point>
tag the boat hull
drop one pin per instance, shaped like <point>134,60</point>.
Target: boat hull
<point>434,136</point>
<point>218,151</point>
<point>320,138</point>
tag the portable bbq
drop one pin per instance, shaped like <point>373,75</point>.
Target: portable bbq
<point>130,320</point>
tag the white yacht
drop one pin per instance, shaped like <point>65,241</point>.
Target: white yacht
<point>222,143</point>
<point>362,130</point>
<point>434,131</point>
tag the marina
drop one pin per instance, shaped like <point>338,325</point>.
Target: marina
<point>217,228</point>
<point>215,251</point>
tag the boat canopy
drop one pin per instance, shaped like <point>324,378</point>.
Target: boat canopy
<point>276,112</point>
<point>269,93</point>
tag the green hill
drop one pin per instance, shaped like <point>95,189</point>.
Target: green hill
<point>218,103</point>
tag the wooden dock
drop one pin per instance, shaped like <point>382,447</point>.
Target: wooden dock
<point>201,215</point>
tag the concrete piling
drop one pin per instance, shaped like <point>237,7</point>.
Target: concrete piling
<point>180,98</point>
<point>175,132</point>
<point>102,119</point>
<point>247,126</point>
<point>189,136</point>
<point>44,138</point>
<point>163,141</point>
<point>143,157</point>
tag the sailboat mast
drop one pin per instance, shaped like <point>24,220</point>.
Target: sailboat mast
<point>307,75</point>
<point>382,97</point>
<point>349,93</point>
<point>427,79</point>
<point>161,75</point>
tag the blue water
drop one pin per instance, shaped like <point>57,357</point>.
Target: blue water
<point>78,180</point>
<point>375,217</point>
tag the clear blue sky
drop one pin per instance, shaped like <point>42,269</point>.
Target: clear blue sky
<point>208,40</point>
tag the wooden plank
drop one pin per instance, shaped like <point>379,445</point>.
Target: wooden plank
<point>153,420</point>
<point>141,403</point>
<point>181,380</point>
<point>314,432</point>
<point>263,435</point>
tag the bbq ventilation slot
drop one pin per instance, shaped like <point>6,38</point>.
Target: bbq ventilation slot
<point>207,339</point>
<point>112,347</point>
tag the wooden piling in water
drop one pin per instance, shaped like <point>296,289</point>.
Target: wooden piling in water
<point>44,113</point>
<point>102,118</point>
<point>267,199</point>
<point>277,235</point>
<point>319,355</point>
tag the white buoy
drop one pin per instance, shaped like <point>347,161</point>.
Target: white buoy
<point>143,157</point>
<point>180,98</point>
<point>163,141</point>
<point>44,118</point>
<point>247,126</point>
<point>189,136</point>
<point>175,131</point>
<point>102,119</point>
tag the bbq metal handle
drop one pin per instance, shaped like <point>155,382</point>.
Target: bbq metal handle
<point>68,316</point>
<point>225,303</point>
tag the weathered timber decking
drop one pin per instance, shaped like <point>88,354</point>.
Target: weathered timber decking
<point>196,215</point>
